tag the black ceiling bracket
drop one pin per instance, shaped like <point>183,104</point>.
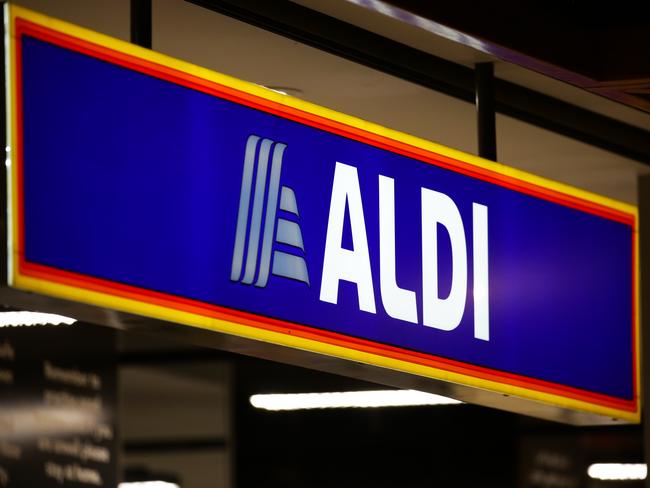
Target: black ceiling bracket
<point>141,23</point>
<point>486,123</point>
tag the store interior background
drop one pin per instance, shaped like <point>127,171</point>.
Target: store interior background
<point>185,410</point>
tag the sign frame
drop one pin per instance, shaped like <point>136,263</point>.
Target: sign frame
<point>71,286</point>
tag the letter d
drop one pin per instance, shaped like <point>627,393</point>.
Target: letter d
<point>442,313</point>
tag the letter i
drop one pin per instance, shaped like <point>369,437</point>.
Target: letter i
<point>481,283</point>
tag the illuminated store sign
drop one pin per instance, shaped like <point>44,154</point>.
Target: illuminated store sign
<point>150,185</point>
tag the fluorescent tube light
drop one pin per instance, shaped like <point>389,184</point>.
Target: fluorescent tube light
<point>147,484</point>
<point>20,319</point>
<point>617,472</point>
<point>348,399</point>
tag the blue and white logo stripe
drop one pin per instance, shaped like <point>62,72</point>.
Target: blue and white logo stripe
<point>251,234</point>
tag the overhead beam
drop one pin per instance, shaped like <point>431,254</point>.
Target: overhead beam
<point>356,44</point>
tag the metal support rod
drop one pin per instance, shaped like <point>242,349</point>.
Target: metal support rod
<point>644,270</point>
<point>5,147</point>
<point>141,23</point>
<point>484,88</point>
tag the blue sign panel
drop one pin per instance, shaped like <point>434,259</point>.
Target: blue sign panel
<point>134,179</point>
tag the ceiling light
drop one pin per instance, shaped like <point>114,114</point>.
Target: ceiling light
<point>348,399</point>
<point>20,319</point>
<point>617,472</point>
<point>147,484</point>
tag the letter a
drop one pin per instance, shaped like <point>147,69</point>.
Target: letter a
<point>340,263</point>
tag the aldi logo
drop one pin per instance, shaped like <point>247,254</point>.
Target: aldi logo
<point>268,215</point>
<point>259,224</point>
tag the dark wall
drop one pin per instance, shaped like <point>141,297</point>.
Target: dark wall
<point>455,445</point>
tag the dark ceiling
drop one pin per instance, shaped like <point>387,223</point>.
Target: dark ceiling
<point>604,48</point>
